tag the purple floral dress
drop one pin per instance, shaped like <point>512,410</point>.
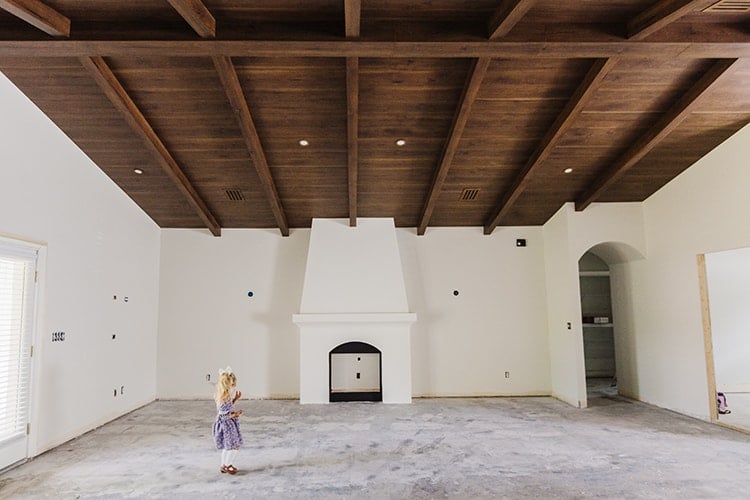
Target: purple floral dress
<point>226,430</point>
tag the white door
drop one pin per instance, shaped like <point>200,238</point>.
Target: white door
<point>17,293</point>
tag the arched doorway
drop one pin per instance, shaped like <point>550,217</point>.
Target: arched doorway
<point>355,373</point>
<point>608,364</point>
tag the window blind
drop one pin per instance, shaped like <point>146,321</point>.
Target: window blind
<point>17,289</point>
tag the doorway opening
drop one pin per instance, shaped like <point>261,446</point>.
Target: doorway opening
<point>355,373</point>
<point>725,291</point>
<point>598,327</point>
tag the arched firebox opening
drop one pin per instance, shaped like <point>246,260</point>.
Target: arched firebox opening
<point>355,373</point>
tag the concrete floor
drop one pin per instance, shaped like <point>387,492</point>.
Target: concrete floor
<point>433,448</point>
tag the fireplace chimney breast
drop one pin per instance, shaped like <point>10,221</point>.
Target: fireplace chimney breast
<point>354,292</point>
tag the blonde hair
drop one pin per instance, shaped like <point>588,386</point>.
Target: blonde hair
<point>227,380</point>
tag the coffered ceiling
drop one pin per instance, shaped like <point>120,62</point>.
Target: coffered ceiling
<point>265,114</point>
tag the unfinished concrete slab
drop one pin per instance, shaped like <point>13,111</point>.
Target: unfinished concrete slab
<point>433,448</point>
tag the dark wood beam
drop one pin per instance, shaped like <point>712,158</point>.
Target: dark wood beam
<point>564,120</point>
<point>231,83</point>
<point>38,15</point>
<point>352,133</point>
<point>661,14</point>
<point>723,47</point>
<point>473,82</point>
<point>661,129</point>
<point>352,13</point>
<point>114,90</point>
<point>510,12</point>
<point>197,16</point>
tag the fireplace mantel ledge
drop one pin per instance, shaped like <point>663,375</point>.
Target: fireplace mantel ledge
<point>308,318</point>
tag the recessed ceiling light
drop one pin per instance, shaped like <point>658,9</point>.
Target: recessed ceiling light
<point>138,171</point>
<point>303,142</point>
<point>400,142</point>
<point>568,170</point>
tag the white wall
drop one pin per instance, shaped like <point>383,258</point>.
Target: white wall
<point>98,244</point>
<point>460,345</point>
<point>702,210</point>
<point>207,320</point>
<point>565,341</point>
<point>463,345</point>
<point>728,276</point>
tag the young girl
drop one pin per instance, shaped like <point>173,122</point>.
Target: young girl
<point>226,428</point>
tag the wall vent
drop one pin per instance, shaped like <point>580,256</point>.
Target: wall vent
<point>235,194</point>
<point>469,194</point>
<point>729,6</point>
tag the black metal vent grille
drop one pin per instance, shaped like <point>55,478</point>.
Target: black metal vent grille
<point>235,194</point>
<point>469,194</point>
<point>729,6</point>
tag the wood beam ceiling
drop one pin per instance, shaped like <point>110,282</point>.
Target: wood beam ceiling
<point>197,16</point>
<point>352,14</point>
<point>473,82</point>
<point>38,15</point>
<point>231,83</point>
<point>661,129</point>
<point>510,12</point>
<point>573,45</point>
<point>117,95</point>
<point>661,14</point>
<point>204,24</point>
<point>565,119</point>
<point>679,41</point>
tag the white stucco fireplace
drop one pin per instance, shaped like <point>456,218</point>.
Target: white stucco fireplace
<point>354,292</point>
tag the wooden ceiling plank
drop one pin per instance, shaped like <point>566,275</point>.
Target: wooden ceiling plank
<point>661,14</point>
<point>471,89</point>
<point>352,14</point>
<point>661,129</point>
<point>197,16</point>
<point>119,97</point>
<point>507,16</point>
<point>565,119</point>
<point>725,46</point>
<point>231,83</point>
<point>39,15</point>
<point>352,133</point>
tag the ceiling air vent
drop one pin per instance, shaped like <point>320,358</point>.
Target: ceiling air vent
<point>235,195</point>
<point>729,6</point>
<point>469,194</point>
